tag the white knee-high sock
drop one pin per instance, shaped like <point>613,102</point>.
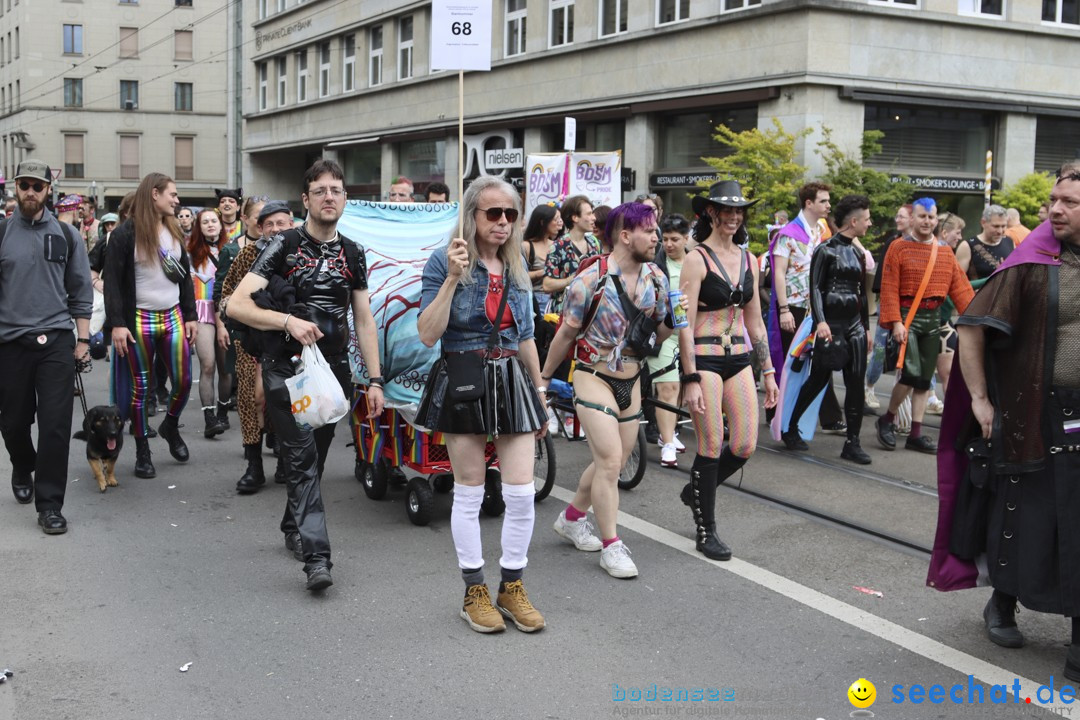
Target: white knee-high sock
<point>517,527</point>
<point>465,525</point>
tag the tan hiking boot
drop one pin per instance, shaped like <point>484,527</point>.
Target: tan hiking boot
<point>513,602</point>
<point>479,612</point>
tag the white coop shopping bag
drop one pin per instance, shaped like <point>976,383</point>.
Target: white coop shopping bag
<point>316,396</point>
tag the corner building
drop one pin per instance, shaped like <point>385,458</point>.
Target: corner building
<point>946,80</point>
<point>106,91</point>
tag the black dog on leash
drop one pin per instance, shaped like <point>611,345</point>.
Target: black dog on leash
<point>103,431</point>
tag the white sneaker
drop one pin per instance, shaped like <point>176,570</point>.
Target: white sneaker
<point>871,400</point>
<point>615,558</point>
<point>568,424</point>
<point>578,532</point>
<point>669,456</point>
<point>553,423</point>
<point>934,406</point>
<point>675,443</point>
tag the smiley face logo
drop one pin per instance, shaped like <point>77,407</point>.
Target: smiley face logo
<point>862,693</point>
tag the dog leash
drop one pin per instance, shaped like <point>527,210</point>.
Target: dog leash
<point>80,368</point>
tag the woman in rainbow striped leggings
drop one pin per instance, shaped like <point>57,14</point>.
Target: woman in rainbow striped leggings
<point>150,304</point>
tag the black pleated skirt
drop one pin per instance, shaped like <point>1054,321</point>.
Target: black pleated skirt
<point>510,403</point>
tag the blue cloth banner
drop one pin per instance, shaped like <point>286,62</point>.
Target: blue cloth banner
<point>398,239</point>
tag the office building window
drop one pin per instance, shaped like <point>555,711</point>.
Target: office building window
<point>931,140</point>
<point>16,43</point>
<point>183,94</point>
<point>129,157</point>
<point>183,3</point>
<point>515,27</point>
<point>730,5</point>
<point>72,92</point>
<point>260,9</point>
<point>73,39</point>
<point>185,158</point>
<point>301,76</point>
<point>375,74</point>
<point>282,80</point>
<point>262,72</point>
<point>562,22</point>
<point>405,48</point>
<point>348,64</point>
<point>324,69</point>
<point>129,94</point>
<point>907,3</point>
<point>182,45</point>
<point>1066,12</point>
<point>281,5</point>
<point>1057,141</point>
<point>129,42</point>
<point>994,8</point>
<point>669,11</point>
<point>612,17</point>
<point>73,156</point>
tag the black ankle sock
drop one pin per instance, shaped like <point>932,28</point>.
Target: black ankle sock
<point>472,577</point>
<point>509,576</point>
<point>1004,601</point>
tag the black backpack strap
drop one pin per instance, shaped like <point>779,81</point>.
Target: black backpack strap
<point>69,231</point>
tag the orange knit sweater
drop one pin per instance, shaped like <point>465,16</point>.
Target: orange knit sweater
<point>904,266</point>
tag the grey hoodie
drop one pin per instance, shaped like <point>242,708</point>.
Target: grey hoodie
<point>41,288</point>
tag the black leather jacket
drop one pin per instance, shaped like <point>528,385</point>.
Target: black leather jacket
<point>837,284</point>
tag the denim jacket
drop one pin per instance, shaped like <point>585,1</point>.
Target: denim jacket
<point>469,327</point>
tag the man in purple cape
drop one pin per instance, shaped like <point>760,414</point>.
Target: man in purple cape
<point>790,251</point>
<point>1013,410</point>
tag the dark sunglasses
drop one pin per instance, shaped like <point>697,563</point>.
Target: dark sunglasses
<point>1066,176</point>
<point>25,186</point>
<point>494,213</point>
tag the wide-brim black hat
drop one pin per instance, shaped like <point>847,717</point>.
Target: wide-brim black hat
<point>726,193</point>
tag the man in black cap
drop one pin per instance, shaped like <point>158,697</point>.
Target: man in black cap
<point>44,285</point>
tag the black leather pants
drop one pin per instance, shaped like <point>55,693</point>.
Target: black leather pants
<point>304,456</point>
<point>854,377</point>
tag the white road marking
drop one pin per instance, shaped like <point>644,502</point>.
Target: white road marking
<point>887,630</point>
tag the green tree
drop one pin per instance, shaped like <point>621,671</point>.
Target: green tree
<point>1026,195</point>
<point>849,175</point>
<point>764,164</point>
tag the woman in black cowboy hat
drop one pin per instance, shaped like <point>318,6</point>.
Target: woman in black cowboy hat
<point>724,313</point>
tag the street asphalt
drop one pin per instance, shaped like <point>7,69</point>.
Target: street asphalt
<point>155,576</point>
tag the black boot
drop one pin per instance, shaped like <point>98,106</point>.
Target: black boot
<point>144,466</point>
<point>853,451</point>
<point>729,464</point>
<point>223,415</point>
<point>253,478</point>
<point>213,424</point>
<point>793,440</point>
<point>170,431</point>
<point>703,495</point>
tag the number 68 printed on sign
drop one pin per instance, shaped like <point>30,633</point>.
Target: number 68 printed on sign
<point>461,34</point>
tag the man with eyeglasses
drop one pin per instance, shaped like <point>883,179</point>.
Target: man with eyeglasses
<point>44,286</point>
<point>401,190</point>
<point>327,273</point>
<point>1019,341</point>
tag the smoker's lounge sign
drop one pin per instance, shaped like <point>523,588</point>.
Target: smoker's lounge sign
<point>947,183</point>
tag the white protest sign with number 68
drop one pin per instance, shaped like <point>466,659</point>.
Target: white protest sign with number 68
<point>460,35</point>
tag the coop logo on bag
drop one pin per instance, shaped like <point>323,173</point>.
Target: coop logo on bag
<point>301,405</point>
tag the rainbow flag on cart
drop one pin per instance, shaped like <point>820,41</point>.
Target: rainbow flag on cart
<point>398,239</point>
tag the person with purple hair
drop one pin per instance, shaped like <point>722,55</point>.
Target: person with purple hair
<point>606,388</point>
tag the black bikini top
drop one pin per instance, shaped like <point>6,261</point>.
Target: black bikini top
<point>717,291</point>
